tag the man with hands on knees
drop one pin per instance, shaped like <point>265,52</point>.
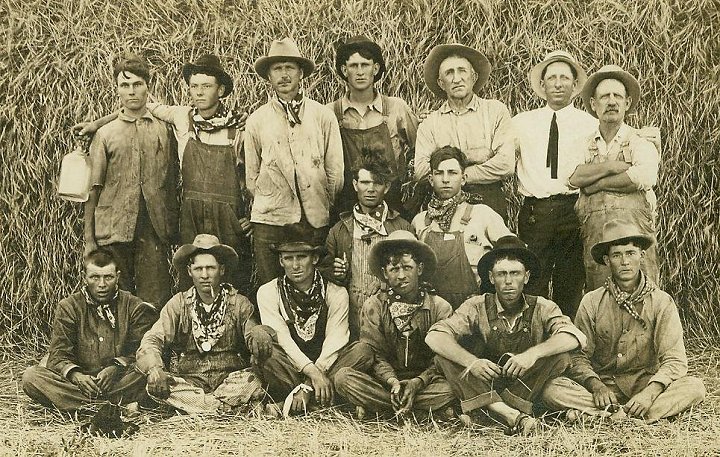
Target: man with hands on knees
<point>635,362</point>
<point>394,324</point>
<point>95,333</point>
<point>518,342</point>
<point>210,332</point>
<point>310,317</point>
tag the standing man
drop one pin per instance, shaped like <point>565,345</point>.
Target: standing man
<point>479,127</point>
<point>211,333</point>
<point>352,239</point>
<point>634,363</point>
<point>619,171</point>
<point>133,206</point>
<point>519,341</point>
<point>370,121</point>
<point>395,323</point>
<point>310,317</point>
<point>294,159</point>
<point>459,232</point>
<point>547,144</point>
<point>95,334</point>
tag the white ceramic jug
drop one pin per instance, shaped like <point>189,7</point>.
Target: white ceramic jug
<point>75,170</point>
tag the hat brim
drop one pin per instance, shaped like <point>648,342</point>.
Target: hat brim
<point>279,248</point>
<point>224,254</point>
<point>631,84</point>
<point>262,65</point>
<point>424,253</point>
<point>536,72</point>
<point>344,52</point>
<point>439,53</point>
<point>526,256</point>
<point>600,249</point>
<point>223,78</point>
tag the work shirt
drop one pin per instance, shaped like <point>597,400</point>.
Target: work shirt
<point>620,351</point>
<point>480,233</point>
<point>402,122</point>
<point>179,116</point>
<point>397,355</point>
<point>281,160</point>
<point>532,130</point>
<point>337,334</point>
<point>471,319</point>
<point>84,341</point>
<point>133,159</point>
<point>483,132</point>
<point>173,332</point>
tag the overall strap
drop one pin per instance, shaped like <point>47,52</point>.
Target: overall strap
<point>385,107</point>
<point>191,123</point>
<point>490,308</point>
<point>531,301</point>
<point>337,108</point>
<point>467,215</point>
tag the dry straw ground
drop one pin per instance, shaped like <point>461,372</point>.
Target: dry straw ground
<point>55,59</point>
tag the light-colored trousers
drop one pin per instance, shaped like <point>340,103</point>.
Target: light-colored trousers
<point>563,393</point>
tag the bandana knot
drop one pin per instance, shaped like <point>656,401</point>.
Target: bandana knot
<point>627,300</point>
<point>208,325</point>
<point>223,118</point>
<point>303,307</point>
<point>292,108</point>
<point>104,310</point>
<point>443,211</point>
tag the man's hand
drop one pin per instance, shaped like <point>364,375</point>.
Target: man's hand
<point>395,392</point>
<point>261,342</point>
<point>158,383</point>
<point>603,396</point>
<point>485,370</point>
<point>241,122</point>
<point>518,364</point>
<point>301,401</point>
<point>107,377</point>
<point>618,166</point>
<point>324,394</point>
<point>639,404</point>
<point>86,384</point>
<point>83,129</point>
<point>409,389</point>
<point>340,267</point>
<point>245,226</point>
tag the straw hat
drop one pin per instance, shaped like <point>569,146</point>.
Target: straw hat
<point>441,52</point>
<point>204,243</point>
<point>552,57</point>
<point>209,64</point>
<point>611,72</point>
<point>282,51</point>
<point>355,44</point>
<point>509,244</point>
<point>620,231</point>
<point>402,240</point>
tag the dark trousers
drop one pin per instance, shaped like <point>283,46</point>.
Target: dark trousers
<point>551,230</point>
<point>281,375</point>
<point>265,235</point>
<point>518,393</point>
<point>50,389</point>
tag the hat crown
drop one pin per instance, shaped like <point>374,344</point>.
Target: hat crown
<point>207,60</point>
<point>358,39</point>
<point>401,235</point>
<point>509,242</point>
<point>610,68</point>
<point>618,229</point>
<point>285,47</point>
<point>205,241</point>
<point>559,54</point>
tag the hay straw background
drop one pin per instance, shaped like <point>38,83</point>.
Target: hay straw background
<point>55,59</point>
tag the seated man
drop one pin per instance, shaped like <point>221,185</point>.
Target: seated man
<point>370,221</point>
<point>520,341</point>
<point>211,332</point>
<point>458,231</point>
<point>634,363</point>
<point>95,333</point>
<point>394,324</point>
<point>310,316</point>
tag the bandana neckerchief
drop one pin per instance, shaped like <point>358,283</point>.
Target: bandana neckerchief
<point>304,306</point>
<point>208,326</point>
<point>626,300</point>
<point>369,223</point>
<point>443,211</point>
<point>292,108</point>
<point>103,310</point>
<point>401,312</point>
<point>223,119</point>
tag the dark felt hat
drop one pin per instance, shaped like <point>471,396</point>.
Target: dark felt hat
<point>204,243</point>
<point>355,44</point>
<point>509,244</point>
<point>618,231</point>
<point>209,64</point>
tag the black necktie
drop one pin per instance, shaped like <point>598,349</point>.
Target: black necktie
<point>552,151</point>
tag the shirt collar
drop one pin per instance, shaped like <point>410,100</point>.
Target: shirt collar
<point>473,105</point>
<point>376,104</point>
<point>562,112</point>
<point>501,311</point>
<point>620,136</point>
<point>127,118</point>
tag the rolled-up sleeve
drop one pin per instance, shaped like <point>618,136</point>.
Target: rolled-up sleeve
<point>160,336</point>
<point>669,345</point>
<point>645,163</point>
<point>581,368</point>
<point>98,160</point>
<point>554,322</point>
<point>463,322</point>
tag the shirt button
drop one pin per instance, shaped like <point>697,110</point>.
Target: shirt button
<point>619,355</point>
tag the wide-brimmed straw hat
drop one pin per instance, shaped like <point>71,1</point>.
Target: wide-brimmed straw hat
<point>611,72</point>
<point>402,240</point>
<point>204,243</point>
<point>441,52</point>
<point>535,74</point>
<point>355,44</point>
<point>283,51</point>
<point>619,231</point>
<point>513,245</point>
<point>209,64</point>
